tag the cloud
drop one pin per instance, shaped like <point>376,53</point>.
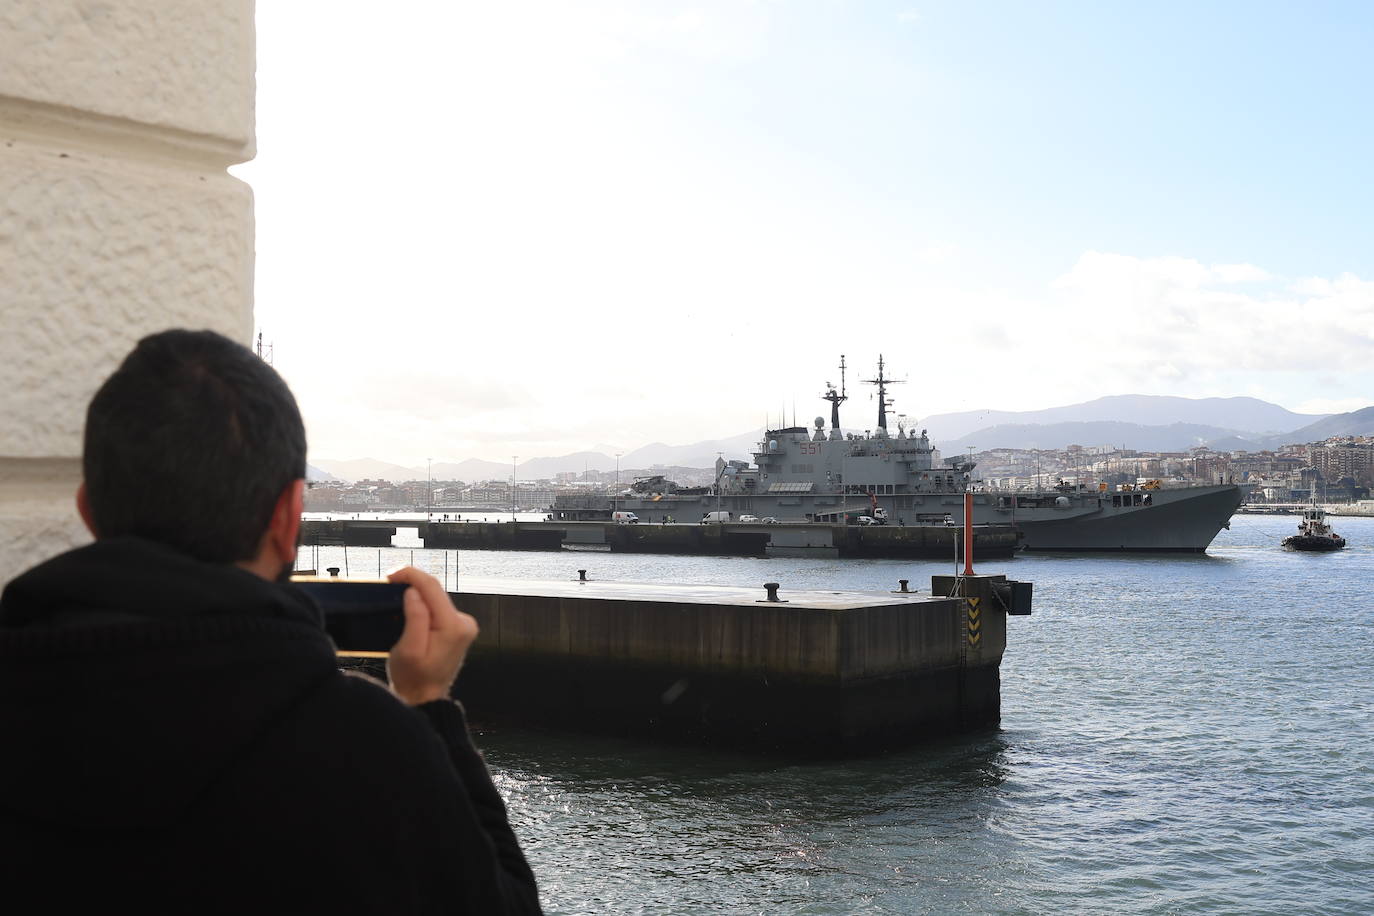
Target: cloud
<point>1333,405</point>
<point>1312,286</point>
<point>937,254</point>
<point>1115,323</point>
<point>1185,313</point>
<point>1240,273</point>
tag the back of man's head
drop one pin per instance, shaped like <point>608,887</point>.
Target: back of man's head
<point>190,443</point>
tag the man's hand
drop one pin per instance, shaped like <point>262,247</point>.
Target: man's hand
<point>424,662</point>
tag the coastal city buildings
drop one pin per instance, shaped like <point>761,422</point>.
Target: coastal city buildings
<point>1345,458</point>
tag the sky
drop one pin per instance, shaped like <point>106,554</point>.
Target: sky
<point>496,229</point>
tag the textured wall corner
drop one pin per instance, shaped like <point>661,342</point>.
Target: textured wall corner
<point>185,67</point>
<point>117,218</point>
<point>37,514</point>
<point>98,252</point>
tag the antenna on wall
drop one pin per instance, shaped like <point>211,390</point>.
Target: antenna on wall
<point>265,353</point>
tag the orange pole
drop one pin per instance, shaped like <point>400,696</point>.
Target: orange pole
<point>968,532</point>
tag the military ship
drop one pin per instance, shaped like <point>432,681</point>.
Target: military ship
<point>820,475</point>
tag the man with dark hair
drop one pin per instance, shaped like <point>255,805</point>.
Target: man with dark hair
<point>191,443</point>
<point>177,733</point>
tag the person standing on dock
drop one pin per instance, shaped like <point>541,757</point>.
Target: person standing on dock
<point>178,733</point>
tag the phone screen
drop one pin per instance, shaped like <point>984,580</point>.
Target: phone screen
<point>359,615</point>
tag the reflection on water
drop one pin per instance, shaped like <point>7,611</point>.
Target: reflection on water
<point>761,832</point>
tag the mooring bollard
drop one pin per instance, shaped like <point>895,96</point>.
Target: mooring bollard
<point>902,583</point>
<point>581,575</point>
<point>772,589</point>
<point>333,571</point>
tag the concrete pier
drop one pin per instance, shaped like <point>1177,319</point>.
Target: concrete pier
<point>490,535</point>
<point>815,672</point>
<point>347,532</point>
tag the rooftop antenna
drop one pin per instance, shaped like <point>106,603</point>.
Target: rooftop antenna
<point>265,353</point>
<point>882,382</point>
<point>836,397</point>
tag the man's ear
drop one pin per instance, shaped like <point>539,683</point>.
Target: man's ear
<point>286,520</point>
<point>83,508</point>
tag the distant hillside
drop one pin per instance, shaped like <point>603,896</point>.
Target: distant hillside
<point>363,469</point>
<point>576,463</point>
<point>468,471</point>
<point>1235,415</point>
<point>314,473</point>
<point>1355,423</point>
<point>696,455</point>
<point>1176,437</point>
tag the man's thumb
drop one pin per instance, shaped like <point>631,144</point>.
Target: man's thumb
<point>415,636</point>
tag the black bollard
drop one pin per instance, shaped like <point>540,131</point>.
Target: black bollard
<point>581,575</point>
<point>902,583</point>
<point>772,589</point>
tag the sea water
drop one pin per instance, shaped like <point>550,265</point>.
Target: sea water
<point>1180,734</point>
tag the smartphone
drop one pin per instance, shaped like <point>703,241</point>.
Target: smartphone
<point>360,615</point>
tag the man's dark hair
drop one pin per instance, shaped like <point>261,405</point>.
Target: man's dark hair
<point>189,443</point>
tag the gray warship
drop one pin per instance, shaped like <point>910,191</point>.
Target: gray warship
<point>820,475</point>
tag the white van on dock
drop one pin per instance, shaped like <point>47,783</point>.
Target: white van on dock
<point>625,518</point>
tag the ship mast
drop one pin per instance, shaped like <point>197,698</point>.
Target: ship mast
<point>882,382</point>
<point>836,398</point>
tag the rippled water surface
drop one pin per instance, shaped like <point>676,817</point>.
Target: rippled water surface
<point>1179,735</point>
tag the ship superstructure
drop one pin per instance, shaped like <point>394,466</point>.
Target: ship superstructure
<point>820,474</point>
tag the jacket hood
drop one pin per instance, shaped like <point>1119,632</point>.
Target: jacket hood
<point>132,677</point>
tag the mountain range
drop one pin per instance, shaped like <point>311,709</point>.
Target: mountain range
<point>697,455</point>
<point>1222,424</point>
<point>1155,423</point>
<point>1240,414</point>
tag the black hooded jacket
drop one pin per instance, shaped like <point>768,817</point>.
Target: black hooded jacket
<point>177,736</point>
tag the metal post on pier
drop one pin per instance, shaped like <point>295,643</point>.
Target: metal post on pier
<point>968,532</point>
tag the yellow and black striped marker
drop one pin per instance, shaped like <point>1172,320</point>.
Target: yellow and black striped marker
<point>975,622</point>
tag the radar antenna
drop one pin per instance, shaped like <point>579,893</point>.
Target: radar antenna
<point>882,382</point>
<point>836,398</point>
<point>266,355</point>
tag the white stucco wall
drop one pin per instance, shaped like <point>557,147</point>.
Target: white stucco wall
<point>117,218</point>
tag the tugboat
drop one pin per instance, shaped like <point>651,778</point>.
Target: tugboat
<point>1314,533</point>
